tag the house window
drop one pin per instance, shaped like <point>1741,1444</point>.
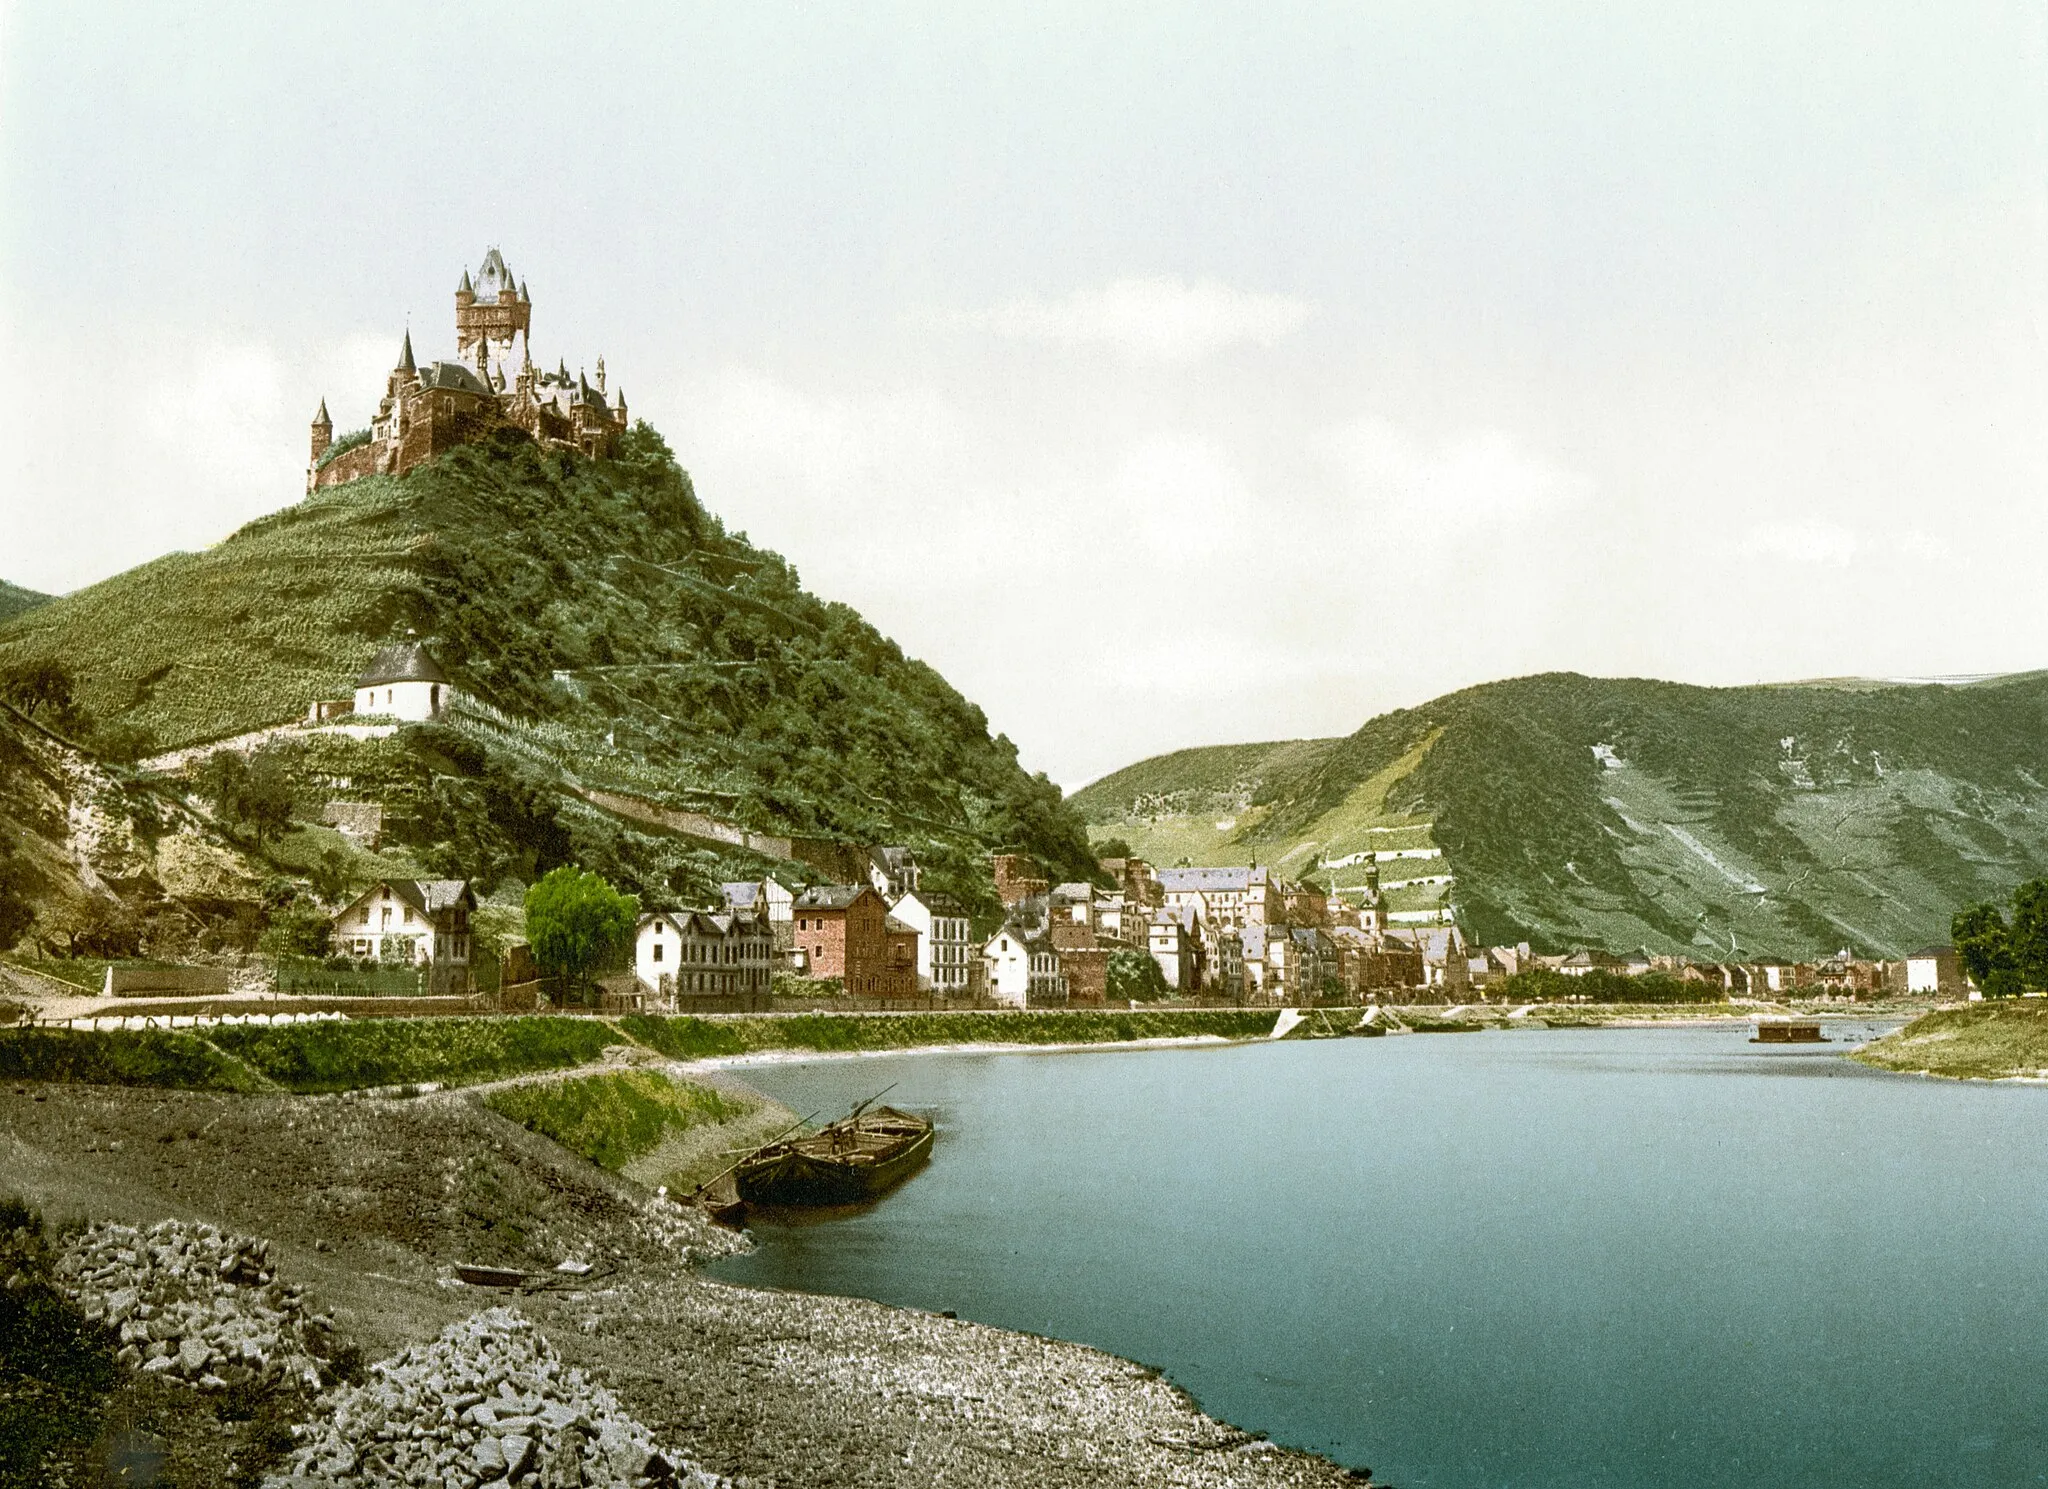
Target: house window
<point>657,951</point>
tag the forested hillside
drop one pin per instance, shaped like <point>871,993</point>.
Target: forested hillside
<point>616,635</point>
<point>1718,821</point>
<point>14,599</point>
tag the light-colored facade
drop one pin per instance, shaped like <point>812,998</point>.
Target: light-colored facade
<point>1233,897</point>
<point>418,922</point>
<point>403,682</point>
<point>1022,970</point>
<point>683,955</point>
<point>945,944</point>
<point>760,896</point>
<point>1174,939</point>
<point>1934,971</point>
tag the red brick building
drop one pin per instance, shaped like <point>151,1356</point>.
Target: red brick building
<point>845,931</point>
<point>1018,878</point>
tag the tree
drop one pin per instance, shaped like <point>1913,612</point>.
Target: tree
<point>1113,848</point>
<point>1132,974</point>
<point>17,910</point>
<point>1984,946</point>
<point>265,803</point>
<point>220,779</point>
<point>37,687</point>
<point>2027,938</point>
<point>331,875</point>
<point>578,924</point>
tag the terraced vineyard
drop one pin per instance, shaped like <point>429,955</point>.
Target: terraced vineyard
<point>1625,813</point>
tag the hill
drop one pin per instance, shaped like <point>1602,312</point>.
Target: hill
<point>14,600</point>
<point>615,637</point>
<point>1571,810</point>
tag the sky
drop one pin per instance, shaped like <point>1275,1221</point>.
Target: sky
<point>1163,375</point>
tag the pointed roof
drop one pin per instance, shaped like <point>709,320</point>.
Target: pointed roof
<point>321,417</point>
<point>407,662</point>
<point>465,288</point>
<point>405,361</point>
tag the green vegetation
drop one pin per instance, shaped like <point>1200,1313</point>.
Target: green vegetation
<point>616,635</point>
<point>343,443</point>
<point>2005,960</point>
<point>687,1038</point>
<point>354,1054</point>
<point>1543,985</point>
<point>578,924</point>
<point>1134,974</point>
<point>14,600</point>
<point>1733,822</point>
<point>131,1057</point>
<point>611,1119</point>
<point>1983,1041</point>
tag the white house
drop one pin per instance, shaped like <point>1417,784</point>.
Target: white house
<point>423,922</point>
<point>685,955</point>
<point>1022,970</point>
<point>403,682</point>
<point>945,947</point>
<point>1936,970</point>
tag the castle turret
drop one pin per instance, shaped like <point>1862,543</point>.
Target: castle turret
<point>465,294</point>
<point>599,383</point>
<point>405,361</point>
<point>622,408</point>
<point>323,431</point>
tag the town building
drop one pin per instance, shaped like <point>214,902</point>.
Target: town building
<point>1135,880</point>
<point>945,947</point>
<point>403,682</point>
<point>893,871</point>
<point>845,931</point>
<point>688,958</point>
<point>1233,897</point>
<point>491,384</point>
<point>1174,939</point>
<point>1017,877</point>
<point>1934,971</point>
<point>1022,968</point>
<point>421,923</point>
<point>760,897</point>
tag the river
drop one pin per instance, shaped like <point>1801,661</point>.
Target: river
<point>1636,1258</point>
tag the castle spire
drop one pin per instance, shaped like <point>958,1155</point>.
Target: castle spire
<point>405,361</point>
<point>465,288</point>
<point>321,417</point>
<point>599,384</point>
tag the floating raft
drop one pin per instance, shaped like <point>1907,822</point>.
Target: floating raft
<point>1789,1031</point>
<point>856,1158</point>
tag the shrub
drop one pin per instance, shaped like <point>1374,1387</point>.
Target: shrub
<point>389,1052</point>
<point>577,923</point>
<point>129,1057</point>
<point>1545,985</point>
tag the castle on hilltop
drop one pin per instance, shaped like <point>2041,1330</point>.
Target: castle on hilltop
<point>445,404</point>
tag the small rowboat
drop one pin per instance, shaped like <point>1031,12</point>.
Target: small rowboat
<point>1789,1031</point>
<point>857,1158</point>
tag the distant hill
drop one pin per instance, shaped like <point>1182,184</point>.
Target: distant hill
<point>14,599</point>
<point>1570,810</point>
<point>617,637</point>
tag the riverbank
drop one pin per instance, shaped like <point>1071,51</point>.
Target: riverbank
<point>369,1202</point>
<point>2002,1040</point>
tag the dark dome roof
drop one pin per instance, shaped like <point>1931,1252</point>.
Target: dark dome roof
<point>407,662</point>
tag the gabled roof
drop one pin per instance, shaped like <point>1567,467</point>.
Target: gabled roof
<point>409,661</point>
<point>453,377</point>
<point>1207,880</point>
<point>428,896</point>
<point>891,924</point>
<point>832,896</point>
<point>1074,890</point>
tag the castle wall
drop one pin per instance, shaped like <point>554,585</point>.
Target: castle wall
<point>349,465</point>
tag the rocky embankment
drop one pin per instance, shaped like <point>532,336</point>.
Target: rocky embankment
<point>196,1305</point>
<point>488,1402</point>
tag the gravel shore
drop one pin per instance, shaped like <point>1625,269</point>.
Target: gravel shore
<point>367,1204</point>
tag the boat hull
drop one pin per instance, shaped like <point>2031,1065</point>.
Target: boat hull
<point>794,1176</point>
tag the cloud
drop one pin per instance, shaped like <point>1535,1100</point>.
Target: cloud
<point>1482,477</point>
<point>1809,542</point>
<point>1149,320</point>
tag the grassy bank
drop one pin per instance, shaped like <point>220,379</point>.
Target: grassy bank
<point>121,1058</point>
<point>612,1119</point>
<point>356,1054</point>
<point>346,1056</point>
<point>1984,1041</point>
<point>838,1033</point>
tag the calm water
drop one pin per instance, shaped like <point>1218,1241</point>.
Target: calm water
<point>1617,1257</point>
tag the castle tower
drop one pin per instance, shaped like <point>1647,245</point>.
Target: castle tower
<point>406,373</point>
<point>323,431</point>
<point>493,308</point>
<point>599,383</point>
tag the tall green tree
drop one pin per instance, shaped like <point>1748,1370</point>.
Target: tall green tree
<point>1984,946</point>
<point>578,925</point>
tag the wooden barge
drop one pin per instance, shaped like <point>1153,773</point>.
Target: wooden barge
<point>859,1157</point>
<point>1789,1031</point>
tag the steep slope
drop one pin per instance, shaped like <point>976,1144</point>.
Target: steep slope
<point>1716,821</point>
<point>101,862</point>
<point>14,600</point>
<point>616,636</point>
